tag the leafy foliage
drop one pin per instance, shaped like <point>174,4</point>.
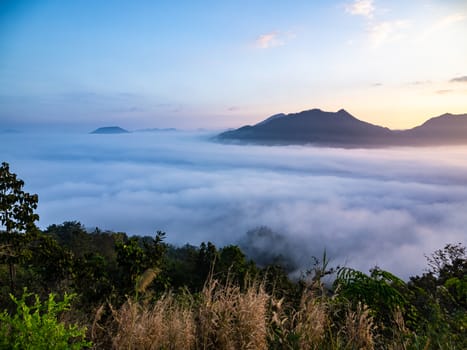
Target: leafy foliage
<point>440,296</point>
<point>36,326</point>
<point>381,290</point>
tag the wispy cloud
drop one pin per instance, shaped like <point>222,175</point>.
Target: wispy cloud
<point>268,40</point>
<point>379,32</point>
<point>459,79</point>
<point>361,8</point>
<point>388,31</point>
<point>131,109</point>
<point>443,92</point>
<point>420,82</point>
<point>443,23</point>
<point>449,20</point>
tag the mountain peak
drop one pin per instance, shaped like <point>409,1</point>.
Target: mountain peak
<point>310,126</point>
<point>342,111</point>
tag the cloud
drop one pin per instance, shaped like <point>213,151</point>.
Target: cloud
<point>130,109</point>
<point>462,79</point>
<point>383,32</point>
<point>420,82</point>
<point>442,24</point>
<point>379,32</point>
<point>361,8</point>
<point>365,207</point>
<point>449,20</point>
<point>269,40</point>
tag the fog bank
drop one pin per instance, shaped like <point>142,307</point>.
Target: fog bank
<point>385,207</point>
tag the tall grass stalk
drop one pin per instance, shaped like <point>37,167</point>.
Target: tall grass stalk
<point>360,328</point>
<point>310,321</point>
<point>165,325</point>
<point>231,319</point>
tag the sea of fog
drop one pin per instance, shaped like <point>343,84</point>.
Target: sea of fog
<point>384,207</point>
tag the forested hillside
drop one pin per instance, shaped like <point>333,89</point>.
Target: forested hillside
<point>68,287</point>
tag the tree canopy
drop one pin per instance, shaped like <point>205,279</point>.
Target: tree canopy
<point>17,219</point>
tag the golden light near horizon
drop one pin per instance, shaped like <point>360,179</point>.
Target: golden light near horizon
<point>392,63</point>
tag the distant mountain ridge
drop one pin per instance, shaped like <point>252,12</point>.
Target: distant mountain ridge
<point>110,130</point>
<point>445,129</point>
<point>156,130</point>
<point>341,129</point>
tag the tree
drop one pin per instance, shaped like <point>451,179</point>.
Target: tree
<point>17,219</point>
<point>382,291</point>
<point>451,261</point>
<point>73,236</point>
<point>234,265</point>
<point>136,255</point>
<point>440,294</point>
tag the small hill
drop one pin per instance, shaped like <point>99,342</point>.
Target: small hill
<point>110,130</point>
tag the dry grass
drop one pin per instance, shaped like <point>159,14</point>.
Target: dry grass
<point>231,319</point>
<point>304,327</point>
<point>166,325</point>
<point>310,321</point>
<point>98,333</point>
<point>401,334</point>
<point>360,328</point>
<point>279,327</point>
<point>225,317</point>
<point>251,318</point>
<point>146,279</point>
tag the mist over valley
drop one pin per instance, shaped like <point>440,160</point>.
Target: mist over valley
<point>365,207</point>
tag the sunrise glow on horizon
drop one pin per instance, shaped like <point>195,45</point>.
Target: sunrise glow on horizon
<point>221,64</point>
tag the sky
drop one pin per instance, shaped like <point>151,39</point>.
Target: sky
<point>385,207</point>
<point>222,64</point>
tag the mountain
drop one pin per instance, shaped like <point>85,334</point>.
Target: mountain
<point>443,130</point>
<point>341,129</point>
<point>275,116</point>
<point>313,126</point>
<point>110,130</point>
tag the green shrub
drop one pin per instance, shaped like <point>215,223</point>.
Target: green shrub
<point>37,326</point>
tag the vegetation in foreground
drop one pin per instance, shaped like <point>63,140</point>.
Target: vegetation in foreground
<point>141,293</point>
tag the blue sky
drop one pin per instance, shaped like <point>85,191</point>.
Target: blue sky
<point>215,64</point>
